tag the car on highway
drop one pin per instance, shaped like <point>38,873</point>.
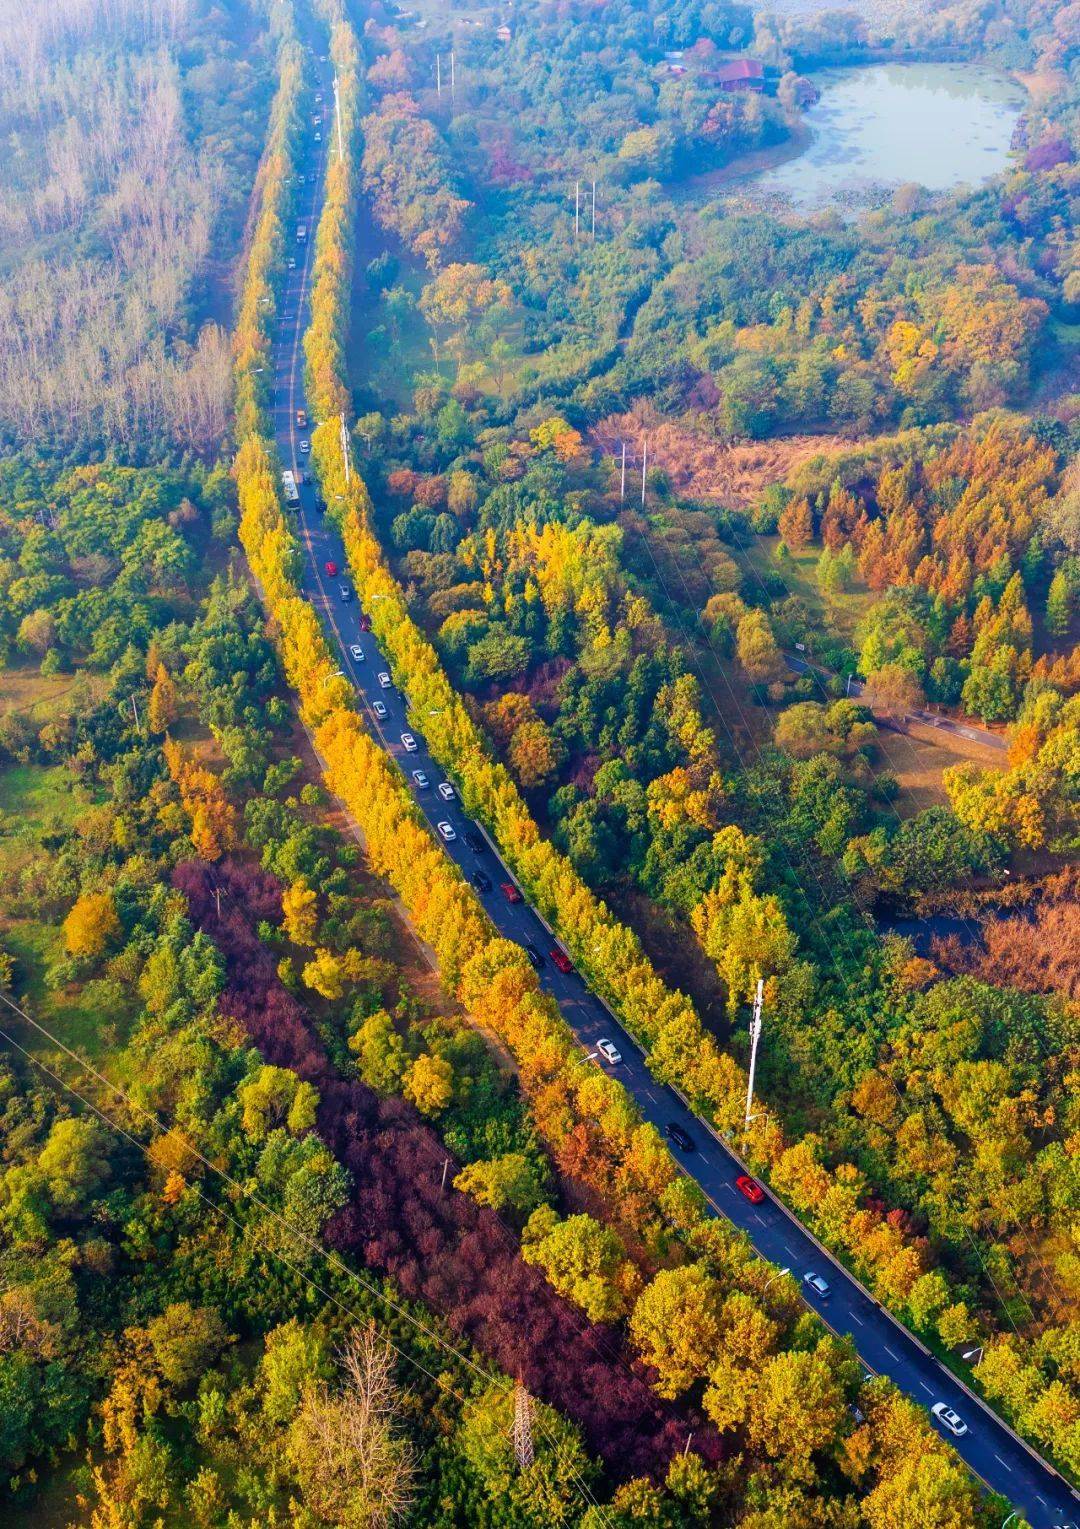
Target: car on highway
<point>318,98</point>
<point>301,418</point>
<point>345,592</point>
<point>949,1419</point>
<point>446,830</point>
<point>445,790</point>
<point>750,1188</point>
<point>510,892</point>
<point>365,623</point>
<point>562,961</point>
<point>384,679</point>
<point>305,447</point>
<point>379,709</point>
<point>292,262</point>
<point>408,743</point>
<point>420,780</point>
<point>609,1051</point>
<point>682,1138</point>
<point>534,955</point>
<point>481,882</point>
<point>331,569</point>
<point>357,652</point>
<point>474,841</point>
<point>815,1283</point>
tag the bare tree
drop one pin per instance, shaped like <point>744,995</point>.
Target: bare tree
<point>354,1466</point>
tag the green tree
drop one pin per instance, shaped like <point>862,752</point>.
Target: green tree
<point>509,1182</point>
<point>584,1260</point>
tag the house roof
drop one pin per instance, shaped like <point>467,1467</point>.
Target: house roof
<point>737,69</point>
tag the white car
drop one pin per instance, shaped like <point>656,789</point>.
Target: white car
<point>379,709</point>
<point>949,1419</point>
<point>408,743</point>
<point>609,1051</point>
<point>445,790</point>
<point>292,263</point>
<point>357,652</point>
<point>816,1283</point>
<point>446,831</point>
<point>305,447</point>
<point>318,138</point>
<point>420,780</point>
<point>384,680</point>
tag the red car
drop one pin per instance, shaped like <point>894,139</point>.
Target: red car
<point>331,569</point>
<point>510,892</point>
<point>748,1187</point>
<point>561,959</point>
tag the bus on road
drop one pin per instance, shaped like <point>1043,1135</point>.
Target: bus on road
<point>292,493</point>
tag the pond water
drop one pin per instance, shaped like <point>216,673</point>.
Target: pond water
<point>879,126</point>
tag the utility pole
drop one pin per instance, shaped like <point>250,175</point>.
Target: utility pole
<point>755,1036</point>
<point>337,114</point>
<point>594,212</point>
<point>345,450</point>
<point>522,1431</point>
<point>577,211</point>
<point>622,485</point>
<point>644,460</point>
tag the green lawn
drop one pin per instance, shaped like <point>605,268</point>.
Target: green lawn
<point>33,799</point>
<point>840,612</point>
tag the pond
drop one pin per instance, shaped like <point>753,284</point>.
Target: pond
<point>882,125</point>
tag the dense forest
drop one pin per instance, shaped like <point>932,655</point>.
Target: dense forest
<point>677,518</point>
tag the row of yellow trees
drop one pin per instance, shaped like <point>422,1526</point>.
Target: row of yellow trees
<point>252,337</point>
<point>593,1127</point>
<point>688,1319</point>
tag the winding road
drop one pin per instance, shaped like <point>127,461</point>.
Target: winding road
<point>992,1451</point>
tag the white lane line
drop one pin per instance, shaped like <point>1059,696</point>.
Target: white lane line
<point>759,1219</point>
<point>856,1318</point>
<point>728,1187</point>
<point>1005,1463</point>
<point>926,1388</point>
<point>890,1353</point>
<point>1040,1499</point>
<point>789,1250</point>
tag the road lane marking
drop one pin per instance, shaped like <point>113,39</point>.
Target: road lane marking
<point>856,1318</point>
<point>759,1219</point>
<point>926,1388</point>
<point>1005,1463</point>
<point>1040,1499</point>
<point>890,1353</point>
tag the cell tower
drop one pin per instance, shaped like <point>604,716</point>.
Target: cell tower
<point>522,1432</point>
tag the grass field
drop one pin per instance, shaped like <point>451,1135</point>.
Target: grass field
<point>37,800</point>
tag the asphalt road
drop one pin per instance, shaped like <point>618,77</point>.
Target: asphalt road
<point>927,718</point>
<point>995,1455</point>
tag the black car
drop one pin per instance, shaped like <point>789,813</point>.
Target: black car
<point>320,505</point>
<point>475,842</point>
<point>533,954</point>
<point>345,592</point>
<point>682,1139</point>
<point>481,882</point>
